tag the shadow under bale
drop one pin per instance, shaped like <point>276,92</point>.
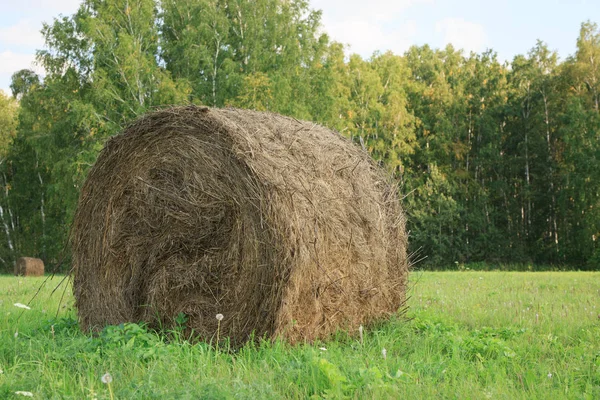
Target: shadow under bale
<point>284,227</point>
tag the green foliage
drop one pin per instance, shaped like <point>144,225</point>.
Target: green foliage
<point>497,162</point>
<point>8,122</point>
<point>8,130</point>
<point>253,54</point>
<point>22,82</point>
<point>477,345</point>
<point>132,340</point>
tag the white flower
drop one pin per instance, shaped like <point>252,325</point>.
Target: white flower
<point>384,353</point>
<point>219,317</point>
<point>26,394</point>
<point>22,306</point>
<point>360,333</point>
<point>106,378</point>
<point>322,349</point>
<point>549,375</point>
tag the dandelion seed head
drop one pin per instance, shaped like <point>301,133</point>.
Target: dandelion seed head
<point>219,317</point>
<point>360,333</point>
<point>106,378</point>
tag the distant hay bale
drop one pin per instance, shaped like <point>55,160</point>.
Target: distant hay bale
<point>285,227</point>
<point>28,266</point>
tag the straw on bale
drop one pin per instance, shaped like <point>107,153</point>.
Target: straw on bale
<point>284,227</point>
<point>28,266</point>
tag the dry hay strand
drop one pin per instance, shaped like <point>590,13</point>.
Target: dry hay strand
<point>28,266</point>
<point>285,227</point>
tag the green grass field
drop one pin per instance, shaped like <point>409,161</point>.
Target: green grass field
<point>470,335</point>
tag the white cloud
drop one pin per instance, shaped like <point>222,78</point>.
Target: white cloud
<point>365,38</point>
<point>12,62</point>
<point>36,6</point>
<point>462,34</point>
<point>368,26</point>
<point>26,18</point>
<point>23,33</point>
<point>372,10</point>
<point>20,33</point>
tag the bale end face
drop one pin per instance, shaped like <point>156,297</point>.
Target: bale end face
<point>28,266</point>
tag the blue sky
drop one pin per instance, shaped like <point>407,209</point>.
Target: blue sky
<point>510,27</point>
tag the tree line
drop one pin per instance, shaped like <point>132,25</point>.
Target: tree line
<point>495,161</point>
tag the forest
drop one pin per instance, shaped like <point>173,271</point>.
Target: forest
<point>496,162</point>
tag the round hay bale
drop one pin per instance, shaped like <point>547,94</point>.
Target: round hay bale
<point>285,227</point>
<point>28,266</point>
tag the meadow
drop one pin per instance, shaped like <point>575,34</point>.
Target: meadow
<point>466,335</point>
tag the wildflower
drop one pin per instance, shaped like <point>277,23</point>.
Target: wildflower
<point>22,393</point>
<point>384,353</point>
<point>219,319</point>
<point>549,375</point>
<point>22,306</point>
<point>322,349</point>
<point>106,378</point>
<point>360,333</point>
